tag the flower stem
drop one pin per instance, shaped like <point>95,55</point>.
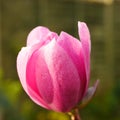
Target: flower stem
<point>75,115</point>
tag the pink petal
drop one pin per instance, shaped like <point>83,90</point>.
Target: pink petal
<point>22,61</point>
<point>74,49</point>
<point>86,44</point>
<point>21,65</point>
<point>39,77</point>
<point>40,35</point>
<point>65,77</point>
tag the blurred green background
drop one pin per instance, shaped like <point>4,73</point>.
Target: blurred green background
<point>19,17</point>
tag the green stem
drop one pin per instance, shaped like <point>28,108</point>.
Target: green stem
<point>75,115</point>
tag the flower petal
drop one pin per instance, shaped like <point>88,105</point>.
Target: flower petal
<point>65,77</point>
<point>86,44</point>
<point>41,76</point>
<point>40,35</point>
<point>74,49</point>
<point>22,61</point>
<point>21,65</point>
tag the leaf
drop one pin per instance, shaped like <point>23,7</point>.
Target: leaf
<point>89,95</point>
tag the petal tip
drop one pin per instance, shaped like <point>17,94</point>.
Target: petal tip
<point>82,26</point>
<point>84,33</point>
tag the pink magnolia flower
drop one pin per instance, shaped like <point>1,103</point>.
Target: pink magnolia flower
<point>54,70</point>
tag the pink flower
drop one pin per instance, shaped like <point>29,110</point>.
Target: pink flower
<point>54,70</point>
